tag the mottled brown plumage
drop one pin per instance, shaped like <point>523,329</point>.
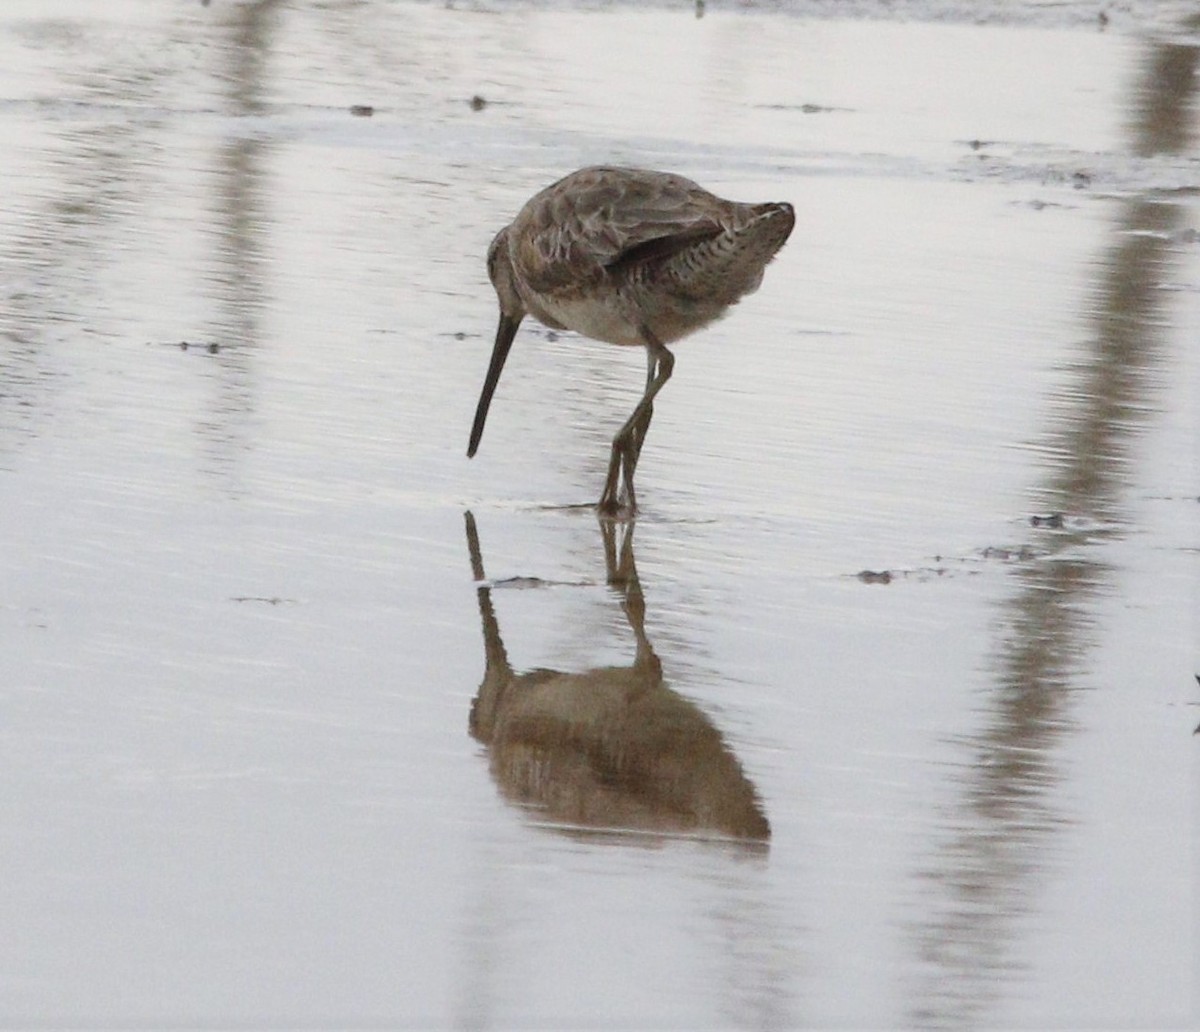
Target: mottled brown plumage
<point>627,256</point>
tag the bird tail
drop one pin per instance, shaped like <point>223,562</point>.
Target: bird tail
<point>730,265</point>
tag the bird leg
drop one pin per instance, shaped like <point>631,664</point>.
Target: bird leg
<point>627,445</point>
<point>638,428</point>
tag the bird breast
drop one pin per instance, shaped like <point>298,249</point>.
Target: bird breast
<point>601,318</point>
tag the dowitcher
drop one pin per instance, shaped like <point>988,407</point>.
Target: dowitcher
<point>627,256</point>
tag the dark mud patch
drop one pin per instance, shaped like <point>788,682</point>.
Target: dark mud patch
<point>947,566</point>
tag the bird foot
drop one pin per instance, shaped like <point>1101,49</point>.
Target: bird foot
<point>618,509</point>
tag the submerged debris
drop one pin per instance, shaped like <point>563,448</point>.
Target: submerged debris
<point>1021,553</point>
<point>947,566</point>
<point>875,576</point>
<point>525,583</point>
<point>1051,520</point>
<point>212,347</point>
<point>807,108</point>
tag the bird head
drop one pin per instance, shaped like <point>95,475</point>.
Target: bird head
<point>500,272</point>
<point>512,311</point>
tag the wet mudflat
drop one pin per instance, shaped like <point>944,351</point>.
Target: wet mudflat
<point>879,715</point>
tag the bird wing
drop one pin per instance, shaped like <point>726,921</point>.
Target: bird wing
<point>601,221</point>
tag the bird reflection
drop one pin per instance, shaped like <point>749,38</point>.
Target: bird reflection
<point>611,747</point>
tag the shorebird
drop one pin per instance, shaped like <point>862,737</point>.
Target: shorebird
<point>628,256</point>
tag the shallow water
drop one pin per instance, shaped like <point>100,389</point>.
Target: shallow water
<point>308,721</point>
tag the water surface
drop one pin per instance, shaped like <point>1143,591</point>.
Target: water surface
<point>880,715</point>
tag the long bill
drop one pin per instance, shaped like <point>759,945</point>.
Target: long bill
<point>505,333</point>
